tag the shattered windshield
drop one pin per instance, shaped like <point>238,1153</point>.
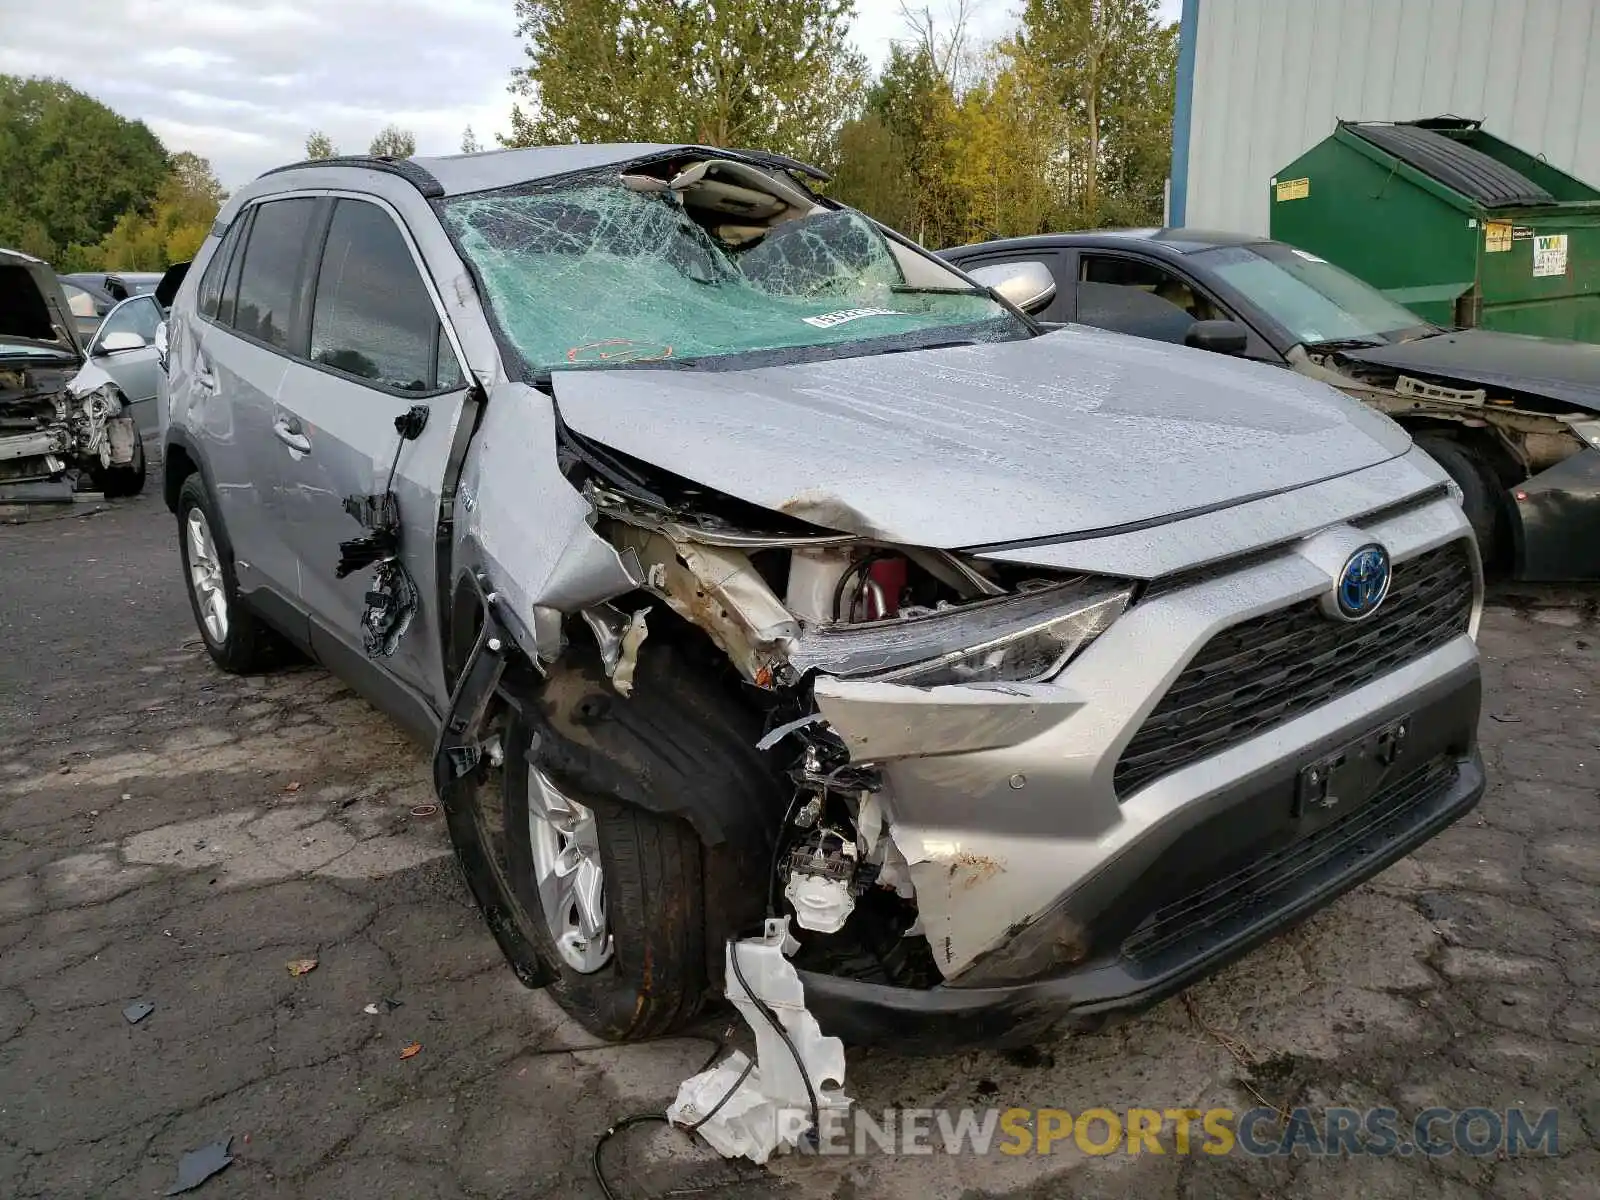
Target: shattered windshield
<point>1309,296</point>
<point>599,274</point>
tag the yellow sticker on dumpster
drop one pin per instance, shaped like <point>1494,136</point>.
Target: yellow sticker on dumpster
<point>1294,189</point>
<point>1497,237</point>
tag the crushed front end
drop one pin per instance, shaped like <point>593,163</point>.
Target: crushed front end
<point>1025,794</point>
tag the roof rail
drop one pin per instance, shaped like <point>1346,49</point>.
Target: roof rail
<point>405,168</point>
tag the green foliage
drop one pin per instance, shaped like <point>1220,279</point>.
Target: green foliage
<point>320,145</point>
<point>1065,125</point>
<point>469,141</point>
<point>69,167</point>
<point>394,142</point>
<point>730,73</point>
<point>185,207</point>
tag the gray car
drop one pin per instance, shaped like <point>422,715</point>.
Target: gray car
<point>737,557</point>
<point>124,347</point>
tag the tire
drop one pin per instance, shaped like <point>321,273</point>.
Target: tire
<point>246,646</point>
<point>1480,491</point>
<point>116,483</point>
<point>632,762</point>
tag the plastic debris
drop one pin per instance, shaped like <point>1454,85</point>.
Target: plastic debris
<point>378,1007</point>
<point>138,1011</point>
<point>292,787</point>
<point>771,1110</point>
<point>371,1010</point>
<point>412,1050</point>
<point>302,966</point>
<point>197,1166</point>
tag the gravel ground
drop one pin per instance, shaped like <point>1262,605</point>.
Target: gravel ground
<point>171,834</point>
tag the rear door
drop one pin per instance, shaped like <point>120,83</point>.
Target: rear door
<point>377,346</point>
<point>242,362</point>
<point>135,371</point>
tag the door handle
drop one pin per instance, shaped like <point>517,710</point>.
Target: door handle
<point>204,378</point>
<point>287,431</point>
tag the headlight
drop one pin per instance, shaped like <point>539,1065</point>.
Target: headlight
<point>1016,639</point>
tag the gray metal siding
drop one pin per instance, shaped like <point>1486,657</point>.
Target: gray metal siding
<point>1272,76</point>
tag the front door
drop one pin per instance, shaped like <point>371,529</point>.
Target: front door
<point>134,370</point>
<point>376,350</point>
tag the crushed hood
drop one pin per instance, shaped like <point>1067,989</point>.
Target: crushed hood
<point>1559,370</point>
<point>1073,432</point>
<point>33,309</point>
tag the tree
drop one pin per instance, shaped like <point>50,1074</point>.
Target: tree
<point>469,141</point>
<point>69,167</point>
<point>184,209</point>
<point>731,73</point>
<point>394,142</point>
<point>320,145</point>
<point>1108,66</point>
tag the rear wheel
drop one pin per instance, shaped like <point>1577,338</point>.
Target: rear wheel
<point>235,638</point>
<point>1480,491</point>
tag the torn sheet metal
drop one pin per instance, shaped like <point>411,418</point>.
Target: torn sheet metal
<point>720,592</point>
<point>619,636</point>
<point>521,522</point>
<point>771,1110</point>
<point>882,721</point>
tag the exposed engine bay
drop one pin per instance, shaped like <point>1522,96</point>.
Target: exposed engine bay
<point>52,428</point>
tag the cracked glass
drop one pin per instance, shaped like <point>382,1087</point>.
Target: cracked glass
<point>598,274</point>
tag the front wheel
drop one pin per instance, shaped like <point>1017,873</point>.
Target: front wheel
<point>127,480</point>
<point>1480,491</point>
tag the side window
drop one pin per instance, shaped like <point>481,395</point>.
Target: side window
<point>271,268</point>
<point>78,301</point>
<point>140,315</point>
<point>1138,298</point>
<point>373,317</point>
<point>211,282</point>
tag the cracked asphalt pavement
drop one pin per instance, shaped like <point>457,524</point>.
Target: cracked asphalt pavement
<point>174,835</point>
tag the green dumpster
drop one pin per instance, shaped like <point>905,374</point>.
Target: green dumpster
<point>1455,224</point>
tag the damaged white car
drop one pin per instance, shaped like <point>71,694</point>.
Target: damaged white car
<point>64,422</point>
<point>738,558</point>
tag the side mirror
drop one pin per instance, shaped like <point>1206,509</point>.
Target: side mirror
<point>116,343</point>
<point>1221,337</point>
<point>1028,285</point>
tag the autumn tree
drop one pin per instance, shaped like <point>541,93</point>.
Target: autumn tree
<point>393,142</point>
<point>320,145</point>
<point>735,73</point>
<point>1108,67</point>
<point>69,167</point>
<point>171,231</point>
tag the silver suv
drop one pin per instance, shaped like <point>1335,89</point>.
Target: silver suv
<point>736,556</point>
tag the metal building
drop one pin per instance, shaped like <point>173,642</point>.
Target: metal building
<point>1261,81</point>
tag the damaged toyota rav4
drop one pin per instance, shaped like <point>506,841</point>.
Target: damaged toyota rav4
<point>738,558</point>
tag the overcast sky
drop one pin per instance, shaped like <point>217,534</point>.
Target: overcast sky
<point>242,81</point>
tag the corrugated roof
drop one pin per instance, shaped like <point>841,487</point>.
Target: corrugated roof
<point>1455,164</point>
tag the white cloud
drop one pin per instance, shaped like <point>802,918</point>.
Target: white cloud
<point>242,83</point>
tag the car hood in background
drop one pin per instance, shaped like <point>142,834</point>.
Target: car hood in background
<point>1563,371</point>
<point>1073,432</point>
<point>18,270</point>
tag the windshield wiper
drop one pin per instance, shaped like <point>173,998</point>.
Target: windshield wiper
<point>1355,343</point>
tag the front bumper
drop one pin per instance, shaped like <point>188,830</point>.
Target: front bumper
<point>1048,894</point>
<point>1557,530</point>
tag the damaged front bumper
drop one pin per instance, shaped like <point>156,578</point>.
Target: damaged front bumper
<point>83,424</point>
<point>1557,530</point>
<point>1060,877</point>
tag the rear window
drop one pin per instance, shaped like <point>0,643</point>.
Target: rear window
<point>211,282</point>
<point>272,259</point>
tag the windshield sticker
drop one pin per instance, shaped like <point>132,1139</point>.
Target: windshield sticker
<point>1308,256</point>
<point>829,320</point>
<point>619,350</point>
<point>1549,255</point>
<point>1294,189</point>
<point>1496,237</point>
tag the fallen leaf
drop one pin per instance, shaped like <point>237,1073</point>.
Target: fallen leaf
<point>302,966</point>
<point>412,1050</point>
<point>292,787</point>
<point>425,810</point>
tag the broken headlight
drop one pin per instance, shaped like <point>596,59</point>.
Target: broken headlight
<point>1018,639</point>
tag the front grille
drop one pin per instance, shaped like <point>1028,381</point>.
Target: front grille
<point>1205,914</point>
<point>1272,668</point>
